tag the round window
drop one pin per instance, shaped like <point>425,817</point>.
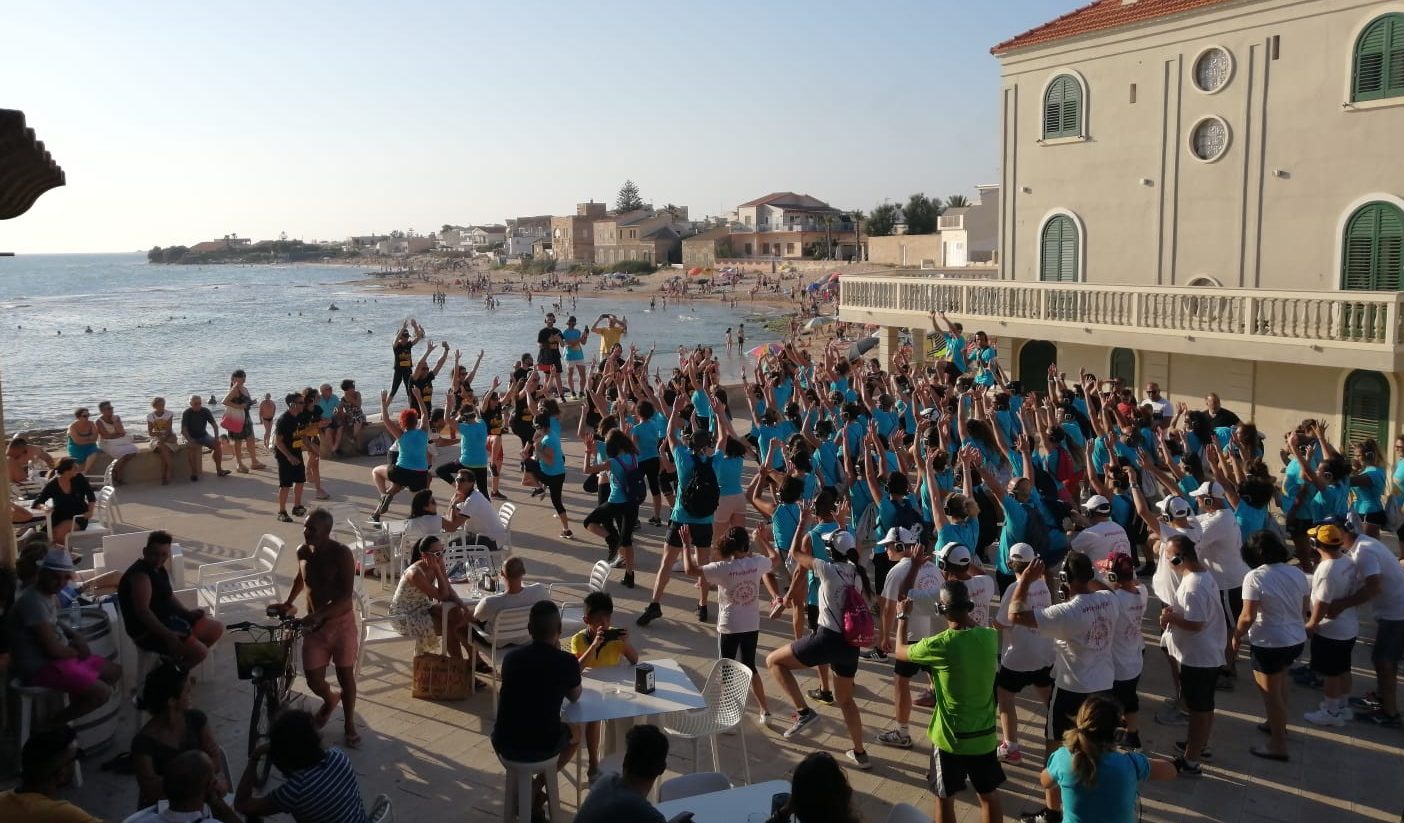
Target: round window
<point>1209,139</point>
<point>1212,70</point>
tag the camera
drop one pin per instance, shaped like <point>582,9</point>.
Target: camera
<point>610,635</point>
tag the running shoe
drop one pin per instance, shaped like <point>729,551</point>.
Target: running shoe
<point>1010,753</point>
<point>1186,769</point>
<point>1325,717</point>
<point>1379,718</point>
<point>859,759</point>
<point>650,614</point>
<point>821,696</point>
<point>299,511</point>
<point>1369,702</point>
<point>1206,754</point>
<point>628,580</point>
<point>801,719</point>
<point>1171,717</point>
<point>1042,816</point>
<point>874,654</point>
<point>702,612</point>
<point>283,516</point>
<point>653,521</point>
<point>926,700</point>
<point>896,738</point>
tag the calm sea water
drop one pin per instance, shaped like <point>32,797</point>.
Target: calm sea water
<point>178,330</point>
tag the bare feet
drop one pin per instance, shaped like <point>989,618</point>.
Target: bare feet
<point>353,737</point>
<point>328,706</point>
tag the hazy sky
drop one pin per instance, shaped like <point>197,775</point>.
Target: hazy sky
<point>181,122</point>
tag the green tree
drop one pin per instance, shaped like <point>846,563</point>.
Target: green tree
<point>883,220</point>
<point>154,256</point>
<point>921,213</point>
<point>628,199</point>
<point>957,201</point>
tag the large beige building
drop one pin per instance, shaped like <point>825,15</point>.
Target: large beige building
<point>1203,193</point>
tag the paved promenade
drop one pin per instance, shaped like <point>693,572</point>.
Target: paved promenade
<point>436,763</point>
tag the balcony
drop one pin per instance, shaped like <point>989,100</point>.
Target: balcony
<point>1339,329</point>
<point>836,227</point>
<point>952,222</point>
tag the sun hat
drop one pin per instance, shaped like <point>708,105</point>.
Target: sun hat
<point>58,560</point>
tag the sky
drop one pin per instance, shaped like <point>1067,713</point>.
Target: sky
<point>178,122</point>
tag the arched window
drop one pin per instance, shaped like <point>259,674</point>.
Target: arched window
<point>1374,248</point>
<point>1123,366</point>
<point>1060,245</point>
<point>1365,408</point>
<point>1379,60</point>
<point>1062,108</point>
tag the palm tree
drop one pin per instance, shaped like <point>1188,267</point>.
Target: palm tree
<point>957,201</point>
<point>858,216</point>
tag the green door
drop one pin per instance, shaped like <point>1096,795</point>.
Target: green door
<point>1034,359</point>
<point>1365,407</point>
<point>1123,365</point>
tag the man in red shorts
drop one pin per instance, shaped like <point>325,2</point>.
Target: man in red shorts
<point>46,653</point>
<point>326,569</point>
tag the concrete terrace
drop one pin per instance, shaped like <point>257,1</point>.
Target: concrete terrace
<point>435,760</point>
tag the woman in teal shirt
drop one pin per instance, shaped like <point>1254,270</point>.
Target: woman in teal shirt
<point>1088,780</point>
<point>547,466</point>
<point>411,469</point>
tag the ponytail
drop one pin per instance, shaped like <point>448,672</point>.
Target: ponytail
<point>852,557</point>
<point>1092,737</point>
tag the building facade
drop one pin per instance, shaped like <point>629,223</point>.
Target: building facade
<point>573,236</point>
<point>637,235</point>
<point>1204,194</point>
<point>789,225</point>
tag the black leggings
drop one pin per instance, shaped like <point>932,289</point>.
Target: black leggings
<point>882,564</point>
<point>740,647</point>
<point>402,375</point>
<point>552,482</point>
<point>447,471</point>
<point>619,521</point>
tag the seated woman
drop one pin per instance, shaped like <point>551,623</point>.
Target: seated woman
<point>114,440</point>
<point>422,595</point>
<point>82,439</point>
<point>72,497</point>
<point>160,427</point>
<point>353,416</point>
<point>174,728</point>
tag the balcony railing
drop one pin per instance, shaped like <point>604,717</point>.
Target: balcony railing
<point>955,221</point>
<point>1356,320</point>
<point>774,227</point>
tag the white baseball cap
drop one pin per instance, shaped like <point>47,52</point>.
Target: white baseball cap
<point>897,534</point>
<point>1209,489</point>
<point>1174,507</point>
<point>840,542</point>
<point>1022,553</point>
<point>955,554</point>
<point>1098,504</point>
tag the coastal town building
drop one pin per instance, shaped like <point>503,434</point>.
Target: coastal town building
<point>966,236</point>
<point>489,235</point>
<point>1204,194</point>
<point>223,244</point>
<point>408,244</point>
<point>643,235</point>
<point>705,249</point>
<point>573,236</point>
<point>789,225</point>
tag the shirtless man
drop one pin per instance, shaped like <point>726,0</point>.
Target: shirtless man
<point>328,572</point>
<point>19,454</point>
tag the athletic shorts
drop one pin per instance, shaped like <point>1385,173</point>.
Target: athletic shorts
<point>1125,693</point>
<point>69,674</point>
<point>408,478</point>
<point>209,441</point>
<point>1272,660</point>
<point>905,668</point>
<point>1015,681</point>
<point>701,535</point>
<point>826,646</point>
<point>1197,685</point>
<point>1330,658</point>
<point>290,475</point>
<point>334,642</point>
<point>1376,519</point>
<point>811,616</point>
<point>1062,711</point>
<point>728,506</point>
<point>949,772</point>
<point>1389,641</point>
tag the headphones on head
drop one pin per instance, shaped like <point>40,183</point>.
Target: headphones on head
<point>1177,560</point>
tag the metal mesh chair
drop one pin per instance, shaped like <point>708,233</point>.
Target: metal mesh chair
<point>727,690</point>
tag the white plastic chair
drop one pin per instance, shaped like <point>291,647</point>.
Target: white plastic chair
<point>99,526</point>
<point>473,554</point>
<point>381,810</point>
<point>504,516</point>
<point>518,789</point>
<point>573,615</point>
<point>727,690</point>
<point>509,625</point>
<point>32,701</point>
<point>243,578</point>
<point>907,813</point>
<point>688,785</point>
<point>382,630</point>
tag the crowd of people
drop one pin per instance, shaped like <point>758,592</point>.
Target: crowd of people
<point>987,537</point>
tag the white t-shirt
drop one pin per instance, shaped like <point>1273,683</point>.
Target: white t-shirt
<point>1220,546</point>
<point>1128,645</point>
<point>163,424</point>
<point>1333,580</point>
<point>738,585</point>
<point>1101,540</point>
<point>1025,649</point>
<point>1165,580</point>
<point>1373,558</point>
<point>1280,591</point>
<point>1083,629</point>
<point>482,517</point>
<point>925,590</point>
<point>834,580</point>
<point>982,590</point>
<point>1197,599</point>
<point>489,607</point>
<point>1160,408</point>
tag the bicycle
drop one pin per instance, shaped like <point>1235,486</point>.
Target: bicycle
<point>271,663</point>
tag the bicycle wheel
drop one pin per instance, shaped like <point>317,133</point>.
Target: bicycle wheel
<point>265,706</point>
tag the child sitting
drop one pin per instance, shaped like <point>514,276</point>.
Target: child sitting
<point>596,646</point>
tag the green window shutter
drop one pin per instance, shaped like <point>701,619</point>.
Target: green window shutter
<point>1374,249</point>
<point>1062,109</point>
<point>1058,263</point>
<point>1379,60</point>
<point>1366,408</point>
<point>1072,111</point>
<point>1053,110</point>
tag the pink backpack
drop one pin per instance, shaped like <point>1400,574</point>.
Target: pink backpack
<point>858,629</point>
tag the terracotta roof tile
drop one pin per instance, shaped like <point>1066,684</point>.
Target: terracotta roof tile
<point>1100,16</point>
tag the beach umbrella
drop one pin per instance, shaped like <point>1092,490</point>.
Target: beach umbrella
<point>816,322</point>
<point>766,348</point>
<point>694,270</point>
<point>862,347</point>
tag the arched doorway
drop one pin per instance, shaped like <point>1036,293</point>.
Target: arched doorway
<point>1123,366</point>
<point>1034,359</point>
<point>1365,409</point>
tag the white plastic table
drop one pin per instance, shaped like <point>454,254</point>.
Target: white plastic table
<point>730,806</point>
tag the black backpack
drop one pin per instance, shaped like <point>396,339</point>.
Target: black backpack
<point>906,515</point>
<point>701,494</point>
<point>634,487</point>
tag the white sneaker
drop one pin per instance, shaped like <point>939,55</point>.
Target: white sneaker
<point>1325,717</point>
<point>1009,753</point>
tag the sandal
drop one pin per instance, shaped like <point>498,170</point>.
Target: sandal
<point>258,466</point>
<point>353,739</point>
<point>243,470</point>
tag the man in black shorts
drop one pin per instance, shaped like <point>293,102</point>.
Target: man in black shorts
<point>287,448</point>
<point>152,616</point>
<point>548,355</point>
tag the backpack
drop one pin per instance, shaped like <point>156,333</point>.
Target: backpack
<point>906,515</point>
<point>634,487</point>
<point>1035,530</point>
<point>701,494</point>
<point>858,628</point>
<point>379,445</point>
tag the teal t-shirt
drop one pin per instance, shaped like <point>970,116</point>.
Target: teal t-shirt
<point>414,450</point>
<point>683,459</point>
<point>1369,499</point>
<point>963,664</point>
<point>647,435</point>
<point>1114,796</point>
<point>472,444</point>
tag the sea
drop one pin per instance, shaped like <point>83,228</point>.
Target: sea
<point>174,331</point>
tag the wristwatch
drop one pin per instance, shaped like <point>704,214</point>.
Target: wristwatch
<point>902,615</point>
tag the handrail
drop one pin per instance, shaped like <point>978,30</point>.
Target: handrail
<point>1353,317</point>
